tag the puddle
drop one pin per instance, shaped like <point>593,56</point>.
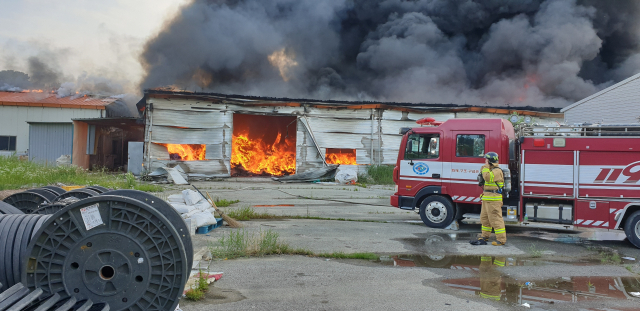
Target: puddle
<point>490,284</point>
<point>465,262</point>
<point>575,238</point>
<point>488,281</point>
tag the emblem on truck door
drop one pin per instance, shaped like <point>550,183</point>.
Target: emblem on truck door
<point>420,168</point>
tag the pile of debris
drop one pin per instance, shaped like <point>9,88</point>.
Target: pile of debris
<point>92,249</point>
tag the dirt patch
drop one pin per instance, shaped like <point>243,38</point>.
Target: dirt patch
<point>216,296</point>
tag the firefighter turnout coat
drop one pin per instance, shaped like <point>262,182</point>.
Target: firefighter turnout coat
<point>491,213</point>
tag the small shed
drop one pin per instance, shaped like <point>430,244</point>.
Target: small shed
<point>217,135</point>
<point>617,104</point>
<point>39,124</point>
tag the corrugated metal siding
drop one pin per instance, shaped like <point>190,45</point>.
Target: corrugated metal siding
<point>620,106</point>
<point>48,141</point>
<point>178,123</point>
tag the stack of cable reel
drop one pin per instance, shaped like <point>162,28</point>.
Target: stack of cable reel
<point>114,249</point>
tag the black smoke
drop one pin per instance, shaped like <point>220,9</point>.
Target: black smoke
<point>495,52</point>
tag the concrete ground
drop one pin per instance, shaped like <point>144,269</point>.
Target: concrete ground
<point>416,262</point>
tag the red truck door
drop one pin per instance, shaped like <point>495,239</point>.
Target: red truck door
<point>422,163</point>
<point>467,157</point>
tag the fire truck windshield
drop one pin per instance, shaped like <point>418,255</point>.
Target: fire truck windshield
<point>422,146</point>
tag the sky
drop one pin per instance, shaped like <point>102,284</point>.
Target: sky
<point>91,37</point>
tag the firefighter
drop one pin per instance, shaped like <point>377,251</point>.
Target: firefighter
<point>491,212</point>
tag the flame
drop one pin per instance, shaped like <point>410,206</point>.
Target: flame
<point>257,157</point>
<point>283,61</point>
<point>341,156</point>
<point>186,152</point>
<point>32,91</point>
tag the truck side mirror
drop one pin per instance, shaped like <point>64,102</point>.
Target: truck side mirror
<point>410,146</point>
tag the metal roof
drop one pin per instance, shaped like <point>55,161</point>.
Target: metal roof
<point>273,101</point>
<point>47,99</point>
<point>607,90</point>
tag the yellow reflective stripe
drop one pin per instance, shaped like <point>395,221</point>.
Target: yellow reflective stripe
<point>501,184</point>
<point>491,184</point>
<point>483,295</point>
<point>503,230</point>
<point>498,263</point>
<point>485,198</point>
<point>491,174</point>
<point>483,258</point>
<point>485,170</point>
<point>486,228</point>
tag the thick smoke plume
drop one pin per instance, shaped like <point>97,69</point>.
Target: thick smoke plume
<point>489,52</point>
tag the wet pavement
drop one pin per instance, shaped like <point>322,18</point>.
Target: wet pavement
<point>420,268</point>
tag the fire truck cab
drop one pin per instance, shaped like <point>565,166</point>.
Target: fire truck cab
<point>583,176</point>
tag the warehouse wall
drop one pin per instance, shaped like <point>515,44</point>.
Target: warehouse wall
<point>13,121</point>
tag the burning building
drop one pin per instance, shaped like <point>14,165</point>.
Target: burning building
<point>217,135</point>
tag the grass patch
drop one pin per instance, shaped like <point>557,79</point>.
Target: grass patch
<point>610,258</point>
<point>240,243</point>
<point>224,202</point>
<point>247,213</point>
<point>341,255</point>
<point>377,175</point>
<point>16,173</point>
<point>535,252</point>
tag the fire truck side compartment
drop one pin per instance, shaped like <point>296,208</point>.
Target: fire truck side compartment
<point>554,213</point>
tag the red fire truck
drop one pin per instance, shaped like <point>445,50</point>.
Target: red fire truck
<point>584,176</point>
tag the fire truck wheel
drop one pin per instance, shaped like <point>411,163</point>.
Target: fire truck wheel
<point>632,228</point>
<point>436,211</point>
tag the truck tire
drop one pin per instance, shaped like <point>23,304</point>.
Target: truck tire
<point>632,228</point>
<point>436,211</point>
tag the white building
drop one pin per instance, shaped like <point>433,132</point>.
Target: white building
<point>40,124</point>
<point>617,104</point>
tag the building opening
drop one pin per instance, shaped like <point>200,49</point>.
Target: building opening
<point>187,152</point>
<point>340,156</point>
<point>263,145</point>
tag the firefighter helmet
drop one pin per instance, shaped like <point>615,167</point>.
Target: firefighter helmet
<point>492,157</point>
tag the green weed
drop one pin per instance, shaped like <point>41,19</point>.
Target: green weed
<point>535,252</point>
<point>377,175</point>
<point>240,243</point>
<point>224,202</point>
<point>610,258</point>
<point>16,173</point>
<point>341,255</point>
<point>201,287</point>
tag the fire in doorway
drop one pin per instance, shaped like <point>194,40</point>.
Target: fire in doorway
<point>187,152</point>
<point>340,156</point>
<point>263,145</point>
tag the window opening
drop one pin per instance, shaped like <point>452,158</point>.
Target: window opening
<point>470,145</point>
<point>7,143</point>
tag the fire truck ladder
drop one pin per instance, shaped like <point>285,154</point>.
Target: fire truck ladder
<point>591,130</point>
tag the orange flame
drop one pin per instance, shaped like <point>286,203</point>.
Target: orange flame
<point>32,91</point>
<point>257,157</point>
<point>186,152</point>
<point>341,156</point>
